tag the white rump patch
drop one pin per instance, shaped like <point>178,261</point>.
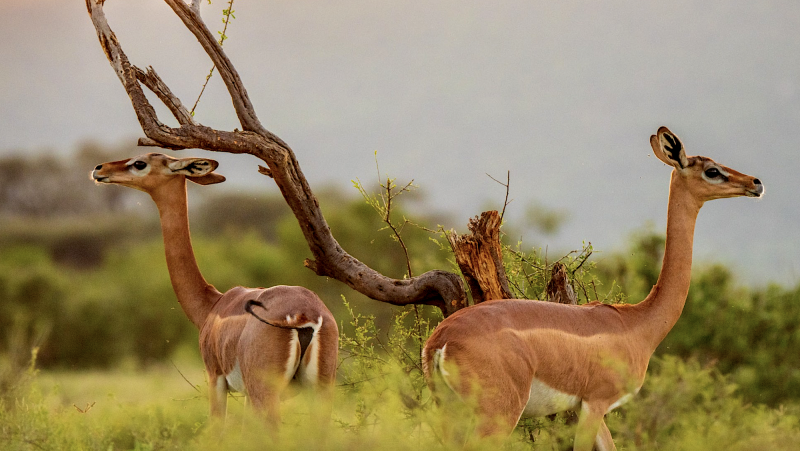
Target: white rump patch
<point>545,400</point>
<point>438,365</point>
<point>292,360</point>
<point>310,373</point>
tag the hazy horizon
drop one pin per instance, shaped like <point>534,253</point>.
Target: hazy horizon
<point>564,96</point>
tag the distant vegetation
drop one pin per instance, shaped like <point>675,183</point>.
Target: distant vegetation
<point>83,277</point>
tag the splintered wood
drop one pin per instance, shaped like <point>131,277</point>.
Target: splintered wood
<point>558,288</point>
<point>480,257</point>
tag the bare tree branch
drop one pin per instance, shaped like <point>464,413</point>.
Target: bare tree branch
<point>195,6</point>
<point>223,36</point>
<point>439,288</point>
<point>159,88</point>
<point>194,136</point>
<point>241,101</point>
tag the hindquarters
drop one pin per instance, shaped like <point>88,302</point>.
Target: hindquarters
<point>272,358</point>
<point>313,337</point>
<point>485,391</point>
<point>309,343</point>
<point>319,351</point>
<point>261,340</point>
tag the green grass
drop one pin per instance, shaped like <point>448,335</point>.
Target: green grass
<point>681,407</point>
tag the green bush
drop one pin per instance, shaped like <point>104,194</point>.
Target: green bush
<point>749,334</point>
<point>382,403</point>
<point>684,406</point>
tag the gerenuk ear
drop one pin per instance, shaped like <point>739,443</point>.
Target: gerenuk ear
<point>208,179</point>
<point>668,148</point>
<point>198,170</point>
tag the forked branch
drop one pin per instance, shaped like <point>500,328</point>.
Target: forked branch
<point>439,288</point>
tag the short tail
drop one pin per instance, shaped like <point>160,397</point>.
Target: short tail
<point>437,371</point>
<point>298,321</point>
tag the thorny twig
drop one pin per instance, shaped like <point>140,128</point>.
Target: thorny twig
<point>582,256</point>
<point>88,407</point>
<point>508,186</point>
<point>228,13</point>
<point>354,383</point>
<point>387,219</point>
<point>184,377</point>
<point>356,354</point>
<point>384,207</point>
<point>582,252</point>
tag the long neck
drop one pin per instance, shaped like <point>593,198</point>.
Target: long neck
<point>194,294</point>
<point>663,306</point>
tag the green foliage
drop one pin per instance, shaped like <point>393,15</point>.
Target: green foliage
<point>100,297</point>
<point>636,270</point>
<point>31,296</point>
<point>749,334</point>
<point>369,356</point>
<point>683,406</point>
<point>529,272</point>
<point>33,421</point>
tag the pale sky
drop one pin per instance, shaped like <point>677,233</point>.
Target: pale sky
<point>565,96</point>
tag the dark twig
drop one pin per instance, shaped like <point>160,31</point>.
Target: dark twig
<point>88,407</point>
<point>184,377</point>
<point>228,13</point>
<point>507,184</point>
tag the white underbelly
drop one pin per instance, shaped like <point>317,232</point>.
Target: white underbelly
<point>625,398</point>
<point>235,380</point>
<point>545,400</point>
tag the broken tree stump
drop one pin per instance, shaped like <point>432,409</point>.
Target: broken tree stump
<point>558,288</point>
<point>479,255</point>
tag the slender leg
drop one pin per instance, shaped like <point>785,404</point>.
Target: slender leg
<point>267,403</point>
<point>589,425</point>
<point>264,388</point>
<point>318,379</point>
<point>603,440</point>
<point>245,415</point>
<point>499,417</point>
<point>218,395</point>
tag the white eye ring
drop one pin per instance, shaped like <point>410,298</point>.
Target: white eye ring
<point>714,175</point>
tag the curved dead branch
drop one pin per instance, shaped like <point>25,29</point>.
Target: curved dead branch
<point>439,288</point>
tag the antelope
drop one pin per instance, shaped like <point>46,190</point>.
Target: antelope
<point>519,357</point>
<point>253,341</point>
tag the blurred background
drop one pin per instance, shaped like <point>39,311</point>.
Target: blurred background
<point>564,96</point>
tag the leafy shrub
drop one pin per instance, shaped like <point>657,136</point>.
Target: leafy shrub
<point>683,406</point>
<point>383,404</point>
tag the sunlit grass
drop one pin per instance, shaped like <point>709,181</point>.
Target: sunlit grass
<point>682,406</point>
<point>103,390</point>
